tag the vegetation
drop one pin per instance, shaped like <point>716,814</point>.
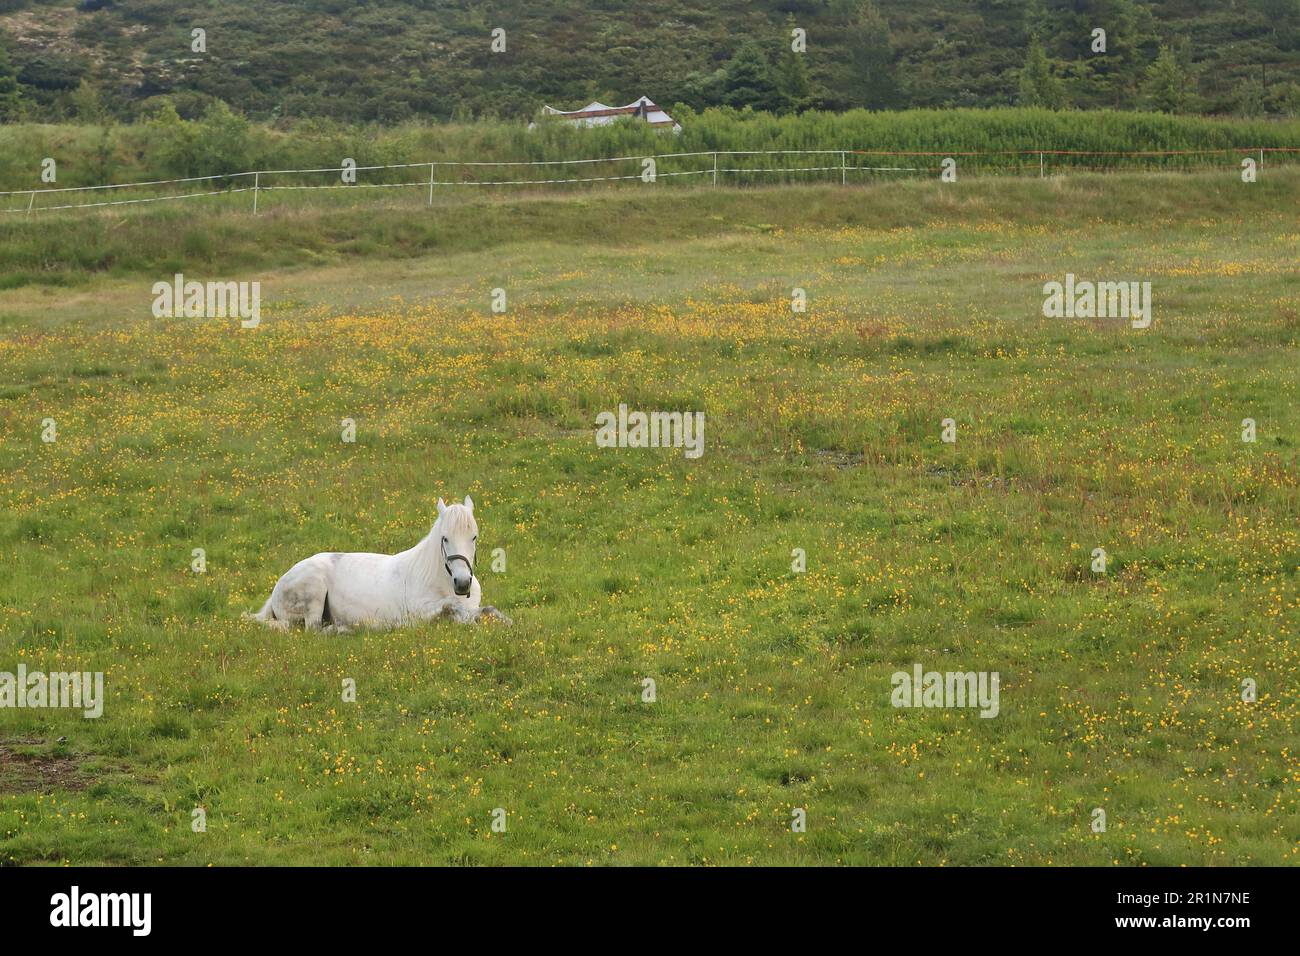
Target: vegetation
<point>221,142</point>
<point>396,60</point>
<point>1119,691</point>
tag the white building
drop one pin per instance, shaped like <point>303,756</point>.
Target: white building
<point>598,114</point>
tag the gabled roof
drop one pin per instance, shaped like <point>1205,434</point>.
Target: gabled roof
<point>598,114</point>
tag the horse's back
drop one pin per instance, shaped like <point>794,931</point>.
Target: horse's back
<point>362,563</point>
<point>365,587</point>
<point>310,577</point>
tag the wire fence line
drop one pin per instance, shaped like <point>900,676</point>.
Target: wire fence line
<point>458,173</point>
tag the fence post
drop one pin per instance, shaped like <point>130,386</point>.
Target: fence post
<point>1040,164</point>
<point>431,165</point>
<point>1261,157</point>
<point>257,185</point>
<point>31,202</point>
<point>844,170</point>
<point>715,167</point>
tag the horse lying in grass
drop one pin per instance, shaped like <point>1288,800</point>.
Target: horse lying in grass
<point>342,590</point>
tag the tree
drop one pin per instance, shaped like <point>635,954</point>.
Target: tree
<point>1166,83</point>
<point>174,141</point>
<point>1095,77</point>
<point>702,90</point>
<point>1039,86</point>
<point>221,144</point>
<point>747,79</point>
<point>10,94</point>
<point>1250,99</point>
<point>870,59</point>
<point>793,86</point>
<point>1285,99</point>
<point>87,104</point>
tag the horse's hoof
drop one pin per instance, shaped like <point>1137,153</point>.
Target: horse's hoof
<point>492,613</point>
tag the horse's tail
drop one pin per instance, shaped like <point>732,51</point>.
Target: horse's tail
<point>265,615</point>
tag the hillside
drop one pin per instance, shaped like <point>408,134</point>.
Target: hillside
<point>392,60</point>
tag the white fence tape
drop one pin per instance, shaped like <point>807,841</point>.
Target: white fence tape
<point>843,167</point>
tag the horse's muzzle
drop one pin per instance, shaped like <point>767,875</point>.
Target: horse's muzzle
<point>462,584</point>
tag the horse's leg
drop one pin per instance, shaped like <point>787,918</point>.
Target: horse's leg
<point>491,614</point>
<point>450,607</point>
<point>459,613</point>
<point>332,626</point>
<point>304,601</point>
<point>313,612</point>
<point>305,597</point>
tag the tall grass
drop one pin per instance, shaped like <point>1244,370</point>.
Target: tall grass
<point>222,144</point>
<point>296,228</point>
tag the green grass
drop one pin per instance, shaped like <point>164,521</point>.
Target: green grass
<point>1119,691</point>
<point>323,228</point>
<point>89,154</point>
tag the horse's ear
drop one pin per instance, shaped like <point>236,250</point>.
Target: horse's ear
<point>469,504</point>
<point>442,506</point>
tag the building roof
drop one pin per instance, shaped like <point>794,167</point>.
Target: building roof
<point>598,114</point>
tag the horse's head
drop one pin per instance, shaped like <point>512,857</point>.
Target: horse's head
<point>458,538</point>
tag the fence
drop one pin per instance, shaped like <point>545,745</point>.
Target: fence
<point>715,168</point>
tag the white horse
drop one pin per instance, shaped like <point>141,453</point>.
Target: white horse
<point>342,590</point>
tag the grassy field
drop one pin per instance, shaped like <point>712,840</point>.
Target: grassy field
<point>1119,691</point>
<point>89,154</point>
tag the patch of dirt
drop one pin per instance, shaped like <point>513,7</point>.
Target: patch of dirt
<point>840,459</point>
<point>32,765</point>
<point>968,480</point>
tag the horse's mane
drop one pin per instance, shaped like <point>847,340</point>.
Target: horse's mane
<point>428,553</point>
<point>455,518</point>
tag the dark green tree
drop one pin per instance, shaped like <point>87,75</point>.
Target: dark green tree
<point>793,84</point>
<point>221,141</point>
<point>1165,88</point>
<point>870,59</point>
<point>1039,86</point>
<point>10,93</point>
<point>174,141</point>
<point>1094,78</point>
<point>747,80</point>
